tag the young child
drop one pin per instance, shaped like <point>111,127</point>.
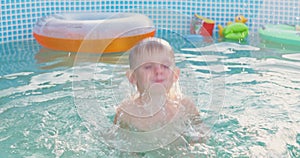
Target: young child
<point>158,99</point>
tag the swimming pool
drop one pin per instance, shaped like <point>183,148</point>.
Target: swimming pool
<point>249,100</point>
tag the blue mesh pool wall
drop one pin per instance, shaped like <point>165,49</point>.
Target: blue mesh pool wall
<point>17,17</point>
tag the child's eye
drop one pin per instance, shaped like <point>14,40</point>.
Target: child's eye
<point>165,66</point>
<point>149,66</point>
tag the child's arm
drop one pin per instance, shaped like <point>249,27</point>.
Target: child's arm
<point>197,131</point>
<point>120,120</point>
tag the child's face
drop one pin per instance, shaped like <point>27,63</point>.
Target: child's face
<point>155,69</point>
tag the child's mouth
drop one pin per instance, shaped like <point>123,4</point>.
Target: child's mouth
<point>158,81</point>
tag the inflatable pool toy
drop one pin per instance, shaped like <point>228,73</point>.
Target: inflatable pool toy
<point>92,32</point>
<point>201,25</point>
<point>235,31</point>
<point>280,33</point>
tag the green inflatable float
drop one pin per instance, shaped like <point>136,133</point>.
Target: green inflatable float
<point>235,31</point>
<point>280,33</point>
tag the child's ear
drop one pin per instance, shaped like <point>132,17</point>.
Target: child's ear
<point>131,77</point>
<point>176,74</point>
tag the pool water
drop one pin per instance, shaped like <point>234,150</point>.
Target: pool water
<point>248,99</point>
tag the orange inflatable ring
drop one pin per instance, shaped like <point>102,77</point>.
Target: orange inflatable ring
<point>92,32</point>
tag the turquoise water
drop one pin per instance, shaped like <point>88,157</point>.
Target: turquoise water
<point>248,99</point>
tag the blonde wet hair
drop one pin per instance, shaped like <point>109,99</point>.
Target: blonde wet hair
<point>148,47</point>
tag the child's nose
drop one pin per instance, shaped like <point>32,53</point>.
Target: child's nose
<point>158,68</point>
